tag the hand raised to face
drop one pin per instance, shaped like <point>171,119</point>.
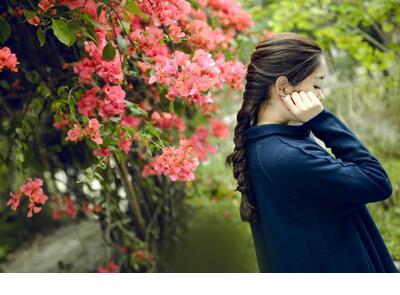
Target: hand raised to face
<point>303,105</point>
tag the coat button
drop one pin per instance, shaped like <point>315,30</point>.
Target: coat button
<point>259,146</point>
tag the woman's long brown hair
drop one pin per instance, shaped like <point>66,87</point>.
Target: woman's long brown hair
<point>282,54</point>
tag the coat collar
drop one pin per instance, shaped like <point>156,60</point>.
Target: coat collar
<point>262,130</point>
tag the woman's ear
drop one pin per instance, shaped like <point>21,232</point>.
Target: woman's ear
<point>282,86</point>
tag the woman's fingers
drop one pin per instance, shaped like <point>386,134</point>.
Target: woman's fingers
<point>304,96</point>
<point>303,105</point>
<point>312,97</point>
<point>296,98</point>
<point>287,101</point>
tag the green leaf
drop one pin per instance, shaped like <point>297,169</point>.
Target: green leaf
<point>64,31</point>
<point>5,30</point>
<point>90,20</point>
<point>132,7</point>
<point>108,52</point>
<point>29,13</point>
<point>5,84</point>
<point>41,35</point>
<point>122,44</point>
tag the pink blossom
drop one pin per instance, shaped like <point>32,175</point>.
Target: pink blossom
<point>102,152</point>
<point>75,134</point>
<point>124,144</point>
<point>14,202</point>
<point>229,12</point>
<point>168,120</point>
<point>46,4</point>
<point>219,129</point>
<point>113,103</point>
<point>165,11</point>
<point>111,267</point>
<point>232,72</point>
<point>177,163</point>
<point>176,33</point>
<point>148,39</point>
<point>73,4</point>
<point>63,207</point>
<point>63,123</point>
<point>85,69</point>
<point>33,190</point>
<point>93,131</point>
<point>88,102</point>
<point>110,70</point>
<point>130,121</point>
<point>195,76</point>
<point>8,59</point>
<point>199,141</point>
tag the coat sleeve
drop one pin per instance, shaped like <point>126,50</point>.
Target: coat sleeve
<point>352,178</point>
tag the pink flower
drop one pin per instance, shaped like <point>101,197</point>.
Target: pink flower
<point>176,33</point>
<point>102,152</point>
<point>8,59</point>
<point>113,103</point>
<point>14,202</point>
<point>110,70</point>
<point>176,163</point>
<point>199,141</point>
<point>165,11</point>
<point>64,122</point>
<point>124,144</point>
<point>93,131</point>
<point>193,78</point>
<point>219,129</point>
<point>46,4</point>
<point>232,72</point>
<point>72,4</point>
<point>75,134</point>
<point>130,121</point>
<point>168,120</point>
<point>229,13</point>
<point>63,207</point>
<point>88,102</point>
<point>85,68</point>
<point>111,267</point>
<point>149,39</point>
<point>33,190</point>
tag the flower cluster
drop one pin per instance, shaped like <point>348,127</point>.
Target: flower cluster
<point>177,163</point>
<point>165,11</point>
<point>34,192</point>
<point>187,77</point>
<point>167,120</point>
<point>108,70</point>
<point>229,12</point>
<point>232,72</point>
<point>8,60</point>
<point>92,130</point>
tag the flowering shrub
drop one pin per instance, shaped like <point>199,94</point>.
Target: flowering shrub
<point>132,83</point>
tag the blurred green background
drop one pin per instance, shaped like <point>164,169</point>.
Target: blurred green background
<point>362,88</point>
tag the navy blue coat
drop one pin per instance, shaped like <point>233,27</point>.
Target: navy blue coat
<point>312,205</point>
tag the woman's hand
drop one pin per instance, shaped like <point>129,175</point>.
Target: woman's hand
<point>303,105</point>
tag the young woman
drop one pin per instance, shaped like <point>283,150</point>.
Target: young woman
<point>307,209</point>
